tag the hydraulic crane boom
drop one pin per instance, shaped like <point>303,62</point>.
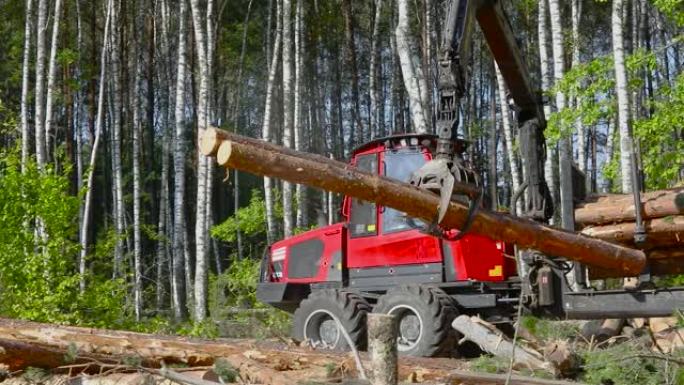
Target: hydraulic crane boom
<point>447,166</point>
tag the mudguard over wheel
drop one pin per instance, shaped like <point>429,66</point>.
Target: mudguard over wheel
<point>424,315</point>
<point>314,319</point>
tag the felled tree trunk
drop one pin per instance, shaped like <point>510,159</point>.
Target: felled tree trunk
<point>608,209</point>
<point>262,158</point>
<point>660,232</point>
<point>495,342</point>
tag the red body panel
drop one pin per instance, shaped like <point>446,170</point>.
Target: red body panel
<point>475,257</point>
<point>480,258</point>
<point>333,238</point>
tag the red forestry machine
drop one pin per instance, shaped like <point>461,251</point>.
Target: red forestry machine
<point>380,260</point>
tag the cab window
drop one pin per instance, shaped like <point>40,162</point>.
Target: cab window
<point>363,219</point>
<point>400,165</point>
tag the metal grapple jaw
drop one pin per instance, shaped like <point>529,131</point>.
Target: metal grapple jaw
<point>440,175</point>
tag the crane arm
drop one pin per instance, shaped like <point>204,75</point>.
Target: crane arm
<point>439,174</point>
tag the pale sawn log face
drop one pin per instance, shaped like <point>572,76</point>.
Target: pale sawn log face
<point>266,159</point>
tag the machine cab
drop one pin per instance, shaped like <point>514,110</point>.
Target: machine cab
<point>377,247</point>
<point>383,244</point>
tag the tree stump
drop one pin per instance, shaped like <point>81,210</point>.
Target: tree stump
<point>382,343</point>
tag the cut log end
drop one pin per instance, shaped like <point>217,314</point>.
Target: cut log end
<point>223,154</point>
<point>210,141</point>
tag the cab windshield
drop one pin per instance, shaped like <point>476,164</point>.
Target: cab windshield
<point>399,165</point>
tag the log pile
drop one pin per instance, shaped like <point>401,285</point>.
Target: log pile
<point>70,350</point>
<point>266,159</point>
<point>612,218</point>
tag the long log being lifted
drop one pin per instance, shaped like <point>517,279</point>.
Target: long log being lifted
<point>267,159</point>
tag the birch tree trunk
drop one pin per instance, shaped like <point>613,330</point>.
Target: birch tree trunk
<point>302,204</point>
<point>492,142</point>
<point>119,210</point>
<point>52,77</point>
<point>202,168</point>
<point>508,136</point>
<point>137,122</point>
<point>83,233</point>
<point>544,58</point>
<point>288,129</point>
<point>39,112</point>
<point>179,231</point>
<point>266,133</point>
<point>209,188</point>
<point>78,117</point>
<point>622,97</point>
<point>373,73</point>
<point>582,158</point>
<point>25,129</point>
<point>565,143</point>
<point>411,70</point>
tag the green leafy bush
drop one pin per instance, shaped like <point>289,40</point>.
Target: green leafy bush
<point>38,251</point>
<point>233,303</point>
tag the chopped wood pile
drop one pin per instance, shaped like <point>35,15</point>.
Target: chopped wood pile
<point>75,350</point>
<point>612,218</point>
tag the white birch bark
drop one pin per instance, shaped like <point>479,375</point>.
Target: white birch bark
<point>178,282</point>
<point>202,167</point>
<point>288,109</point>
<point>414,80</point>
<point>373,72</point>
<point>582,157</point>
<point>622,96</point>
<point>25,129</point>
<point>52,77</point>
<point>164,224</point>
<point>542,27</point>
<point>39,111</point>
<point>119,210</point>
<point>299,142</point>
<point>83,234</point>
<point>565,143</point>
<point>508,136</point>
<point>78,115</point>
<point>137,122</point>
<point>266,133</point>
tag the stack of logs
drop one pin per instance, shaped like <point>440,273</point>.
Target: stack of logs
<point>612,218</point>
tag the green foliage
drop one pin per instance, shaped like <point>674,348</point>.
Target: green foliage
<point>225,370</point>
<point>624,364</point>
<point>204,329</point>
<point>34,375</point>
<point>38,251</point>
<point>592,86</point>
<point>673,9</point>
<point>232,300</point>
<point>661,148</point>
<point>250,220</point>
<point>545,329</point>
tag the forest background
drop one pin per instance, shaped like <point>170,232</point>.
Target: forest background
<point>109,216</point>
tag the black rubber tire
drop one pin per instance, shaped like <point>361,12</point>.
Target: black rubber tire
<point>349,308</point>
<point>435,309</point>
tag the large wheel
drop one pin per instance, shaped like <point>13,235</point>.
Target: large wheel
<point>314,319</point>
<point>424,315</point>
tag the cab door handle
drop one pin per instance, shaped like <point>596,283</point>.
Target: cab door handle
<point>332,232</point>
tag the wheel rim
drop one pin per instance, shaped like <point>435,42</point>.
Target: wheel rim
<point>410,327</point>
<point>321,329</point>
